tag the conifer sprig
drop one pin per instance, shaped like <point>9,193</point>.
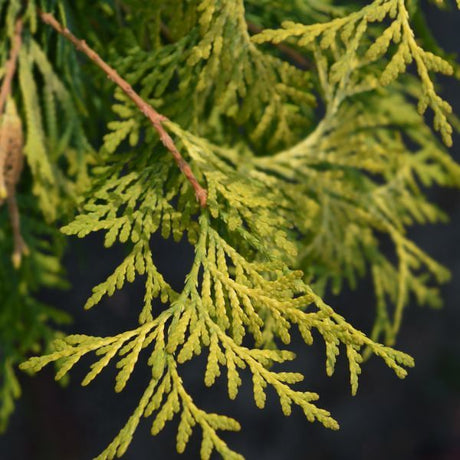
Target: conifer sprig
<point>365,206</point>
<point>347,39</point>
<point>226,297</point>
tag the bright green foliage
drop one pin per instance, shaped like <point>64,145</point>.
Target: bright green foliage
<point>297,201</point>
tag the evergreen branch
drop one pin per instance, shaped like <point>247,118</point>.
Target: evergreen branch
<point>254,29</point>
<point>10,66</point>
<point>344,40</point>
<point>290,52</point>
<point>155,118</point>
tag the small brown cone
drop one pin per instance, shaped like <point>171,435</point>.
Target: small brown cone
<point>11,164</point>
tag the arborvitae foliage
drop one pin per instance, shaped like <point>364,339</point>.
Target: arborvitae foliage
<point>285,140</point>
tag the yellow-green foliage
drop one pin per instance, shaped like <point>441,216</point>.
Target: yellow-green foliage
<point>350,43</point>
<point>216,63</point>
<point>298,198</point>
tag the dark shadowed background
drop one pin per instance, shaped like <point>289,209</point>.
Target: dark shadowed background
<point>418,418</point>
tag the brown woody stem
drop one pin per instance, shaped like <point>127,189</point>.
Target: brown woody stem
<point>10,67</point>
<point>20,247</point>
<point>155,118</point>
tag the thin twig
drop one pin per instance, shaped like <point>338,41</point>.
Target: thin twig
<point>164,29</point>
<point>291,53</point>
<point>10,67</point>
<point>20,247</point>
<point>155,118</point>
